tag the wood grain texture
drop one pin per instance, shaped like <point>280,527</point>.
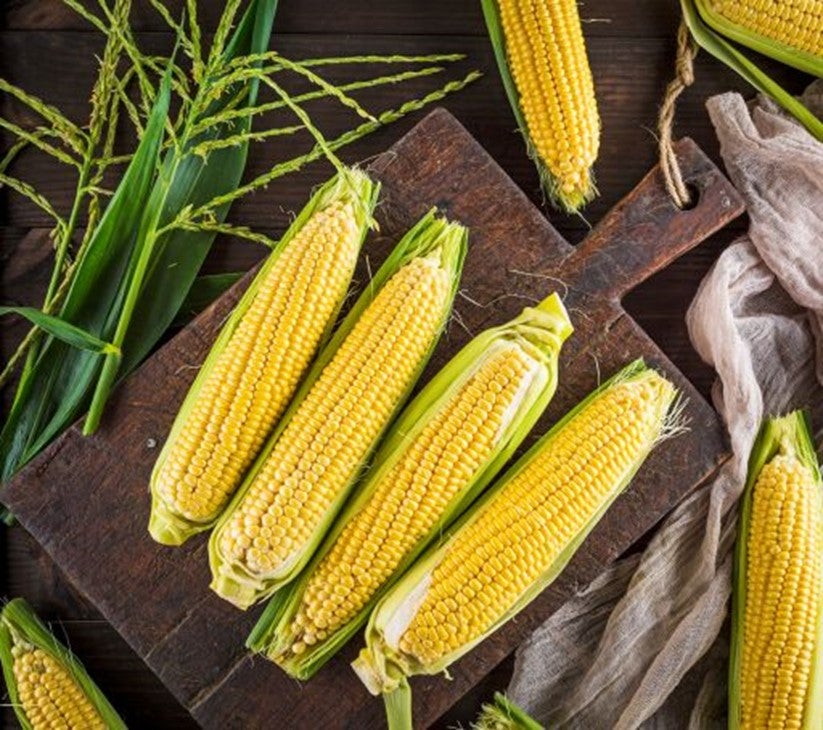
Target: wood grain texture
<point>190,638</point>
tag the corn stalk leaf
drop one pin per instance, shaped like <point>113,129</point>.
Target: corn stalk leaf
<point>178,254</point>
<point>54,391</point>
<point>204,291</point>
<point>62,330</point>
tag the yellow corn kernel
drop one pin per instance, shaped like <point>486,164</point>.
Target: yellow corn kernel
<point>51,699</point>
<point>783,596</point>
<point>258,371</point>
<point>332,431</point>
<point>493,560</point>
<point>546,54</point>
<point>413,495</point>
<point>795,23</point>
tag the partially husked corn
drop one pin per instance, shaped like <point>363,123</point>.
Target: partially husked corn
<point>545,55</point>
<point>445,447</point>
<point>46,685</point>
<point>794,23</point>
<point>780,577</point>
<point>494,559</point>
<point>289,500</point>
<point>257,369</point>
<point>335,426</point>
<point>49,696</point>
<point>517,539</point>
<point>412,496</point>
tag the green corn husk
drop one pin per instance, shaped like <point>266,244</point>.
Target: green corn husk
<point>383,667</point>
<point>538,332</point>
<point>503,714</point>
<point>166,525</point>
<point>783,52</point>
<point>786,436</point>
<point>431,236</point>
<point>724,51</point>
<point>20,627</point>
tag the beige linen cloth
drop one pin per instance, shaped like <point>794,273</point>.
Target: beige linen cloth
<point>645,644</point>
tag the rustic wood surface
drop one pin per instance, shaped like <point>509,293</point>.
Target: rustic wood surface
<point>46,49</point>
<point>158,598</point>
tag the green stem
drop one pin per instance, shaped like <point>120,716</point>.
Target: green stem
<point>398,704</point>
<point>33,341</point>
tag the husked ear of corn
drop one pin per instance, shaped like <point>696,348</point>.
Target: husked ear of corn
<point>542,59</point>
<point>47,686</point>
<point>446,447</point>
<point>776,667</point>
<point>790,31</point>
<point>503,714</point>
<point>516,539</point>
<point>259,359</point>
<point>360,381</point>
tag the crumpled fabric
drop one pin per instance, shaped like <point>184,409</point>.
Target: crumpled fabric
<point>645,645</point>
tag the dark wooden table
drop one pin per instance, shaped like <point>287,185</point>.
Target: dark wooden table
<point>47,50</point>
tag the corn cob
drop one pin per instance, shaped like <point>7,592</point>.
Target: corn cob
<point>47,686</point>
<point>518,538</point>
<point>448,444</point>
<point>776,668</point>
<point>257,362</point>
<point>790,31</point>
<point>287,503</point>
<point>503,714</point>
<point>541,55</point>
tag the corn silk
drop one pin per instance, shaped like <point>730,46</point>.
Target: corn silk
<point>646,644</point>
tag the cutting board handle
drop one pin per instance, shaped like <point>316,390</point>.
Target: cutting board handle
<point>646,231</point>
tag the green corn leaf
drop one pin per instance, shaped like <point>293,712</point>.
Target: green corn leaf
<point>431,236</point>
<point>56,389</point>
<point>724,51</point>
<point>20,630</point>
<point>62,330</point>
<point>179,254</point>
<point>204,290</point>
<point>536,335</point>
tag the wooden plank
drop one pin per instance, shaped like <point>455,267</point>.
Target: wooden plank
<point>425,17</point>
<point>192,639</point>
<point>628,104</point>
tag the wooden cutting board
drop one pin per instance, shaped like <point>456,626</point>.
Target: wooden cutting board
<point>86,499</point>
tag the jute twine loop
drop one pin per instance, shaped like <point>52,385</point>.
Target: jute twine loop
<point>686,51</point>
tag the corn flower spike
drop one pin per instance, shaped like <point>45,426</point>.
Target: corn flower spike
<point>790,31</point>
<point>776,666</point>
<point>517,539</point>
<point>259,359</point>
<point>503,714</point>
<point>352,393</point>
<point>541,55</point>
<point>47,686</point>
<point>443,450</point>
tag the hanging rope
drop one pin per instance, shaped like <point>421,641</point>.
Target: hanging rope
<point>684,65</point>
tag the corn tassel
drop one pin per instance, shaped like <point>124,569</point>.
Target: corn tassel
<point>776,668</point>
<point>790,31</point>
<point>445,448</point>
<point>259,359</point>
<point>299,483</point>
<point>503,714</point>
<point>541,55</point>
<point>48,688</point>
<point>516,540</point>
